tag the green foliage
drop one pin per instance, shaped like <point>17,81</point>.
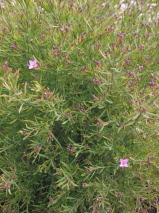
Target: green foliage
<point>91,100</point>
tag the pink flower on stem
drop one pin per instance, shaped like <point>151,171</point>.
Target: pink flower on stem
<point>124,162</point>
<point>32,63</point>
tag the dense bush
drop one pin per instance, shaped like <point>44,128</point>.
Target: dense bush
<point>79,104</point>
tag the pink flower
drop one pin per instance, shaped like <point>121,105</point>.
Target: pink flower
<point>32,63</point>
<point>124,162</point>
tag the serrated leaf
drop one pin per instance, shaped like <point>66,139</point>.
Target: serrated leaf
<point>136,116</point>
<point>18,93</point>
<point>6,86</point>
<point>20,108</point>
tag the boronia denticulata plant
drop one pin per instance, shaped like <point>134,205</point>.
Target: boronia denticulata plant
<point>79,101</point>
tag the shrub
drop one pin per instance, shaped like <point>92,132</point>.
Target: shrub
<point>79,102</point>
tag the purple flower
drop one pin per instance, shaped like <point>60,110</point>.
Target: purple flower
<point>32,63</point>
<point>84,185</point>
<point>156,200</point>
<point>152,83</point>
<point>14,47</point>
<point>124,162</point>
<point>140,68</point>
<point>121,195</point>
<point>68,24</point>
<point>42,36</point>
